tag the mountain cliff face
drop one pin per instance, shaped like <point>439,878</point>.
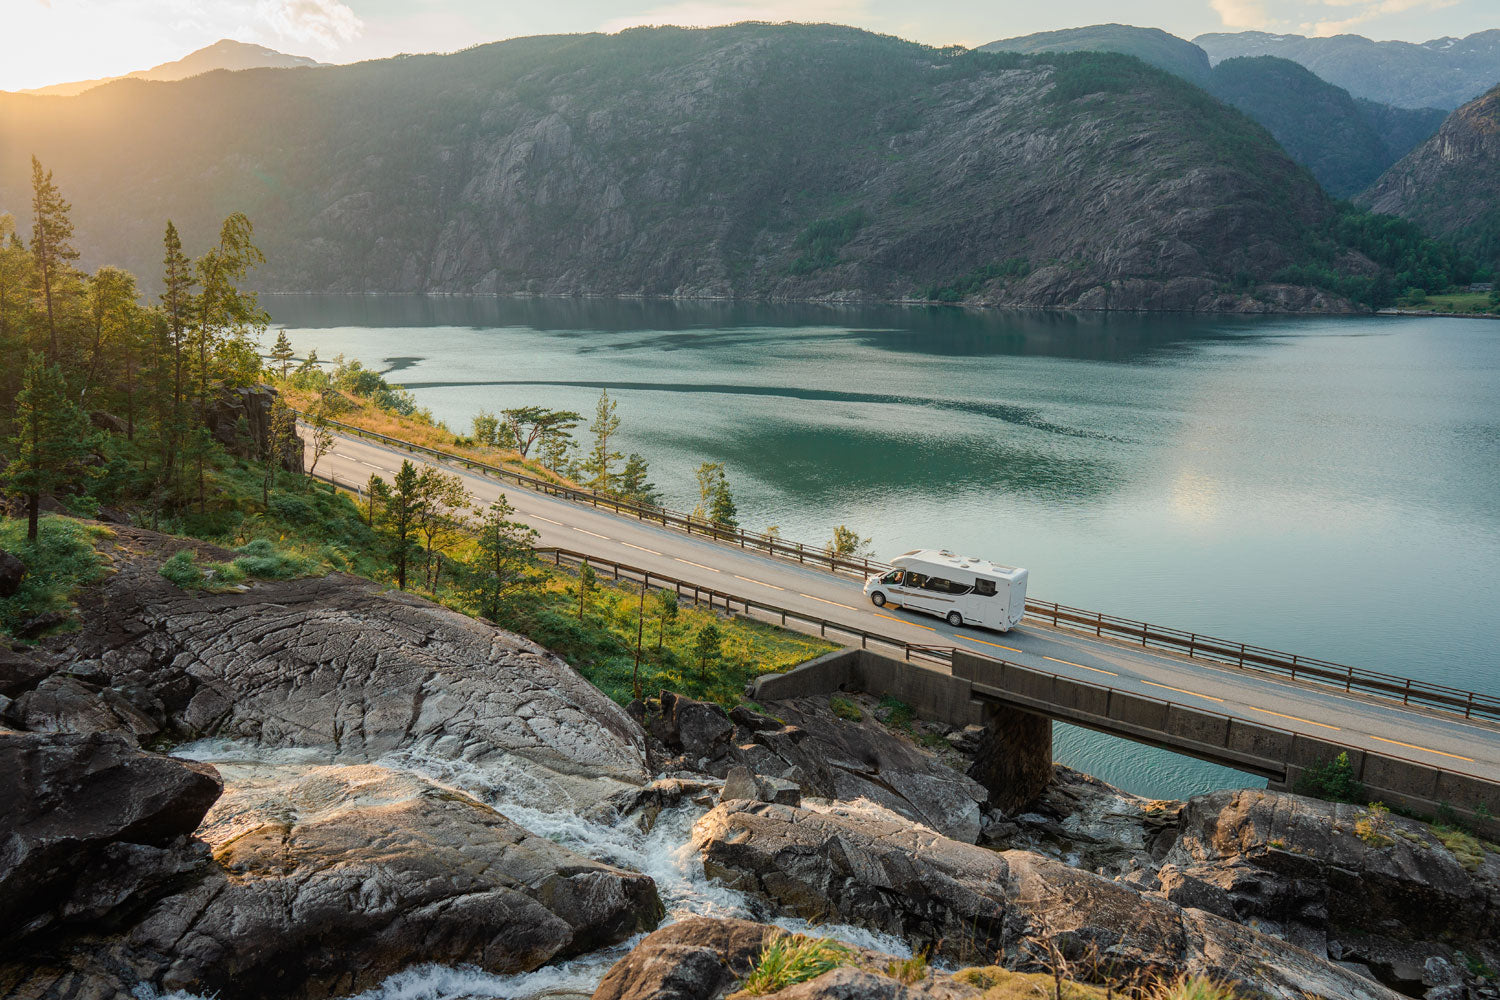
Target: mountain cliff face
<point>1345,142</point>
<point>1450,185</point>
<point>780,162</point>
<point>1441,73</point>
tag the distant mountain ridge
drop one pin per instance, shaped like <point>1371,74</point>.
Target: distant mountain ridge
<point>226,53</point>
<point>1345,142</point>
<point>770,162</point>
<point>1450,185</point>
<point>1441,73</point>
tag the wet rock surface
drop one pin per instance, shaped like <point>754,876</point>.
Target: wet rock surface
<point>805,745</point>
<point>969,903</point>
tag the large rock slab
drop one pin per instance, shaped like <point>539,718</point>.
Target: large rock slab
<point>342,666</point>
<point>880,871</point>
<point>824,756</point>
<point>91,825</point>
<point>1383,890</point>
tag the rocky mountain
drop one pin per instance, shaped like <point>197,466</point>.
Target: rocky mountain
<point>1441,73</point>
<point>779,162</point>
<point>1150,45</point>
<point>1346,142</point>
<point>1448,184</point>
<point>223,54</point>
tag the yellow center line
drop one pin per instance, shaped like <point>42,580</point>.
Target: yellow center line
<point>995,644</point>
<point>1195,694</point>
<point>594,533</point>
<point>699,565</point>
<point>834,603</point>
<point>758,583</point>
<point>1294,718</point>
<point>641,548</point>
<point>1413,746</point>
<point>903,621</point>
<point>1085,666</point>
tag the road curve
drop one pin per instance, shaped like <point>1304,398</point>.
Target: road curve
<point>1365,722</point>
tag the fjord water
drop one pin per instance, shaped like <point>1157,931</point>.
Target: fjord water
<point>1329,487</point>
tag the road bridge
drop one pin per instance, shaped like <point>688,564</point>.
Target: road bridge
<point>1434,727</point>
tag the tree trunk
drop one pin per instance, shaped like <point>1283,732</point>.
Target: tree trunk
<point>33,512</point>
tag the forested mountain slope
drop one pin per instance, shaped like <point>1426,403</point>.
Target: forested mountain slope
<point>1441,73</point>
<point>1450,185</point>
<point>797,162</point>
<point>1344,141</point>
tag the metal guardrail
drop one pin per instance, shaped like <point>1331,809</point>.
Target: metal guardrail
<point>816,556</point>
<point>1224,652</point>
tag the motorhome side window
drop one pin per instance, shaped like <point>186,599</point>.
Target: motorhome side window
<point>915,580</point>
<point>984,588</point>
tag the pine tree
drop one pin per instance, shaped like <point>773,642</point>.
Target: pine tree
<point>282,353</point>
<point>599,464</point>
<point>52,251</point>
<point>178,304</point>
<point>399,518</point>
<point>706,649</point>
<point>503,557</point>
<point>588,581</point>
<point>722,510</point>
<point>633,484</point>
<point>665,608</point>
<point>51,437</point>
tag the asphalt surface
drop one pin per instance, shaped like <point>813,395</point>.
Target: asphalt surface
<point>1370,723</point>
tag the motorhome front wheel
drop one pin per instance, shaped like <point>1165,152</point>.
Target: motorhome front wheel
<point>877,599</point>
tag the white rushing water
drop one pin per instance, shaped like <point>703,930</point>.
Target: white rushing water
<point>665,853</point>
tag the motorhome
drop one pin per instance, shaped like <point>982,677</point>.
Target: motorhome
<point>964,590</point>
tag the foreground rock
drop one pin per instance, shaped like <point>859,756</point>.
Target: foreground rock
<point>327,880</point>
<point>91,827</point>
<point>1376,889</point>
<point>705,959</point>
<point>824,756</point>
<point>980,906</point>
<point>344,667</point>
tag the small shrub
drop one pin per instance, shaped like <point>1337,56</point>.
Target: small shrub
<point>1191,988</point>
<point>264,561</point>
<point>1333,780</point>
<point>291,507</point>
<point>182,570</point>
<point>1465,846</point>
<point>845,709</point>
<point>1371,827</point>
<point>788,959</point>
<point>908,970</point>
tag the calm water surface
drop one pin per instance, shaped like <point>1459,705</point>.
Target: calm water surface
<point>1329,487</point>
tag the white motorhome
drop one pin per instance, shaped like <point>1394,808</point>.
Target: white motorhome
<point>962,589</point>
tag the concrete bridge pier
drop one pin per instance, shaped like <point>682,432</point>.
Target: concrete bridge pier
<point>1014,760</point>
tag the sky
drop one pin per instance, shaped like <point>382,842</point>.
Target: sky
<point>53,41</point>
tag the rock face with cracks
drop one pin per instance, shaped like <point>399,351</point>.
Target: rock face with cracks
<point>972,904</point>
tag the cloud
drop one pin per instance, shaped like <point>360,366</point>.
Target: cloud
<point>328,23</point>
<point>1241,13</point>
<point>703,13</point>
<point>1369,11</point>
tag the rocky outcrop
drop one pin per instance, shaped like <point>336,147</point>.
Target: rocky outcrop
<point>12,572</point>
<point>969,903</point>
<point>240,419</point>
<point>90,826</point>
<point>354,672</point>
<point>1363,886</point>
<point>824,756</point>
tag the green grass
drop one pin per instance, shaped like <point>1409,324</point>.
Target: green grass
<point>1477,303</point>
<point>788,959</point>
<point>897,714</point>
<point>63,559</point>
<point>258,559</point>
<point>1003,984</point>
<point>908,970</point>
<point>845,709</point>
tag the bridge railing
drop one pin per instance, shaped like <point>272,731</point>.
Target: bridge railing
<point>773,545</point>
<point>1341,676</point>
<point>1227,652</point>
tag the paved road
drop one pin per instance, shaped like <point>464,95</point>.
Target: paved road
<point>1356,721</point>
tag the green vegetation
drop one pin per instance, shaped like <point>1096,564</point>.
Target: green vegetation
<point>1191,988</point>
<point>896,714</point>
<point>1003,984</point>
<point>1372,826</point>
<point>908,970</point>
<point>788,959</point>
<point>1333,780</point>
<point>1471,303</point>
<point>845,709</point>
<point>820,242</point>
<point>62,559</point>
<point>255,560</point>
<point>975,280</point>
